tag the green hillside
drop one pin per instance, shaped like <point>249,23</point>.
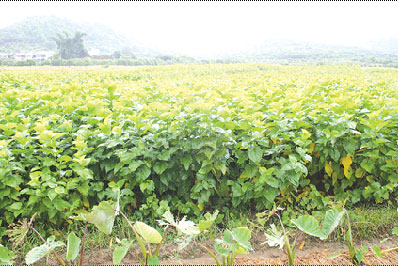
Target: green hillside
<point>36,33</point>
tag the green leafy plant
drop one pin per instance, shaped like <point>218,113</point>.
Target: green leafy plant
<point>333,218</point>
<point>310,225</point>
<point>146,236</point>
<point>187,230</point>
<point>6,256</point>
<point>19,231</point>
<point>103,217</point>
<point>276,237</point>
<point>234,242</point>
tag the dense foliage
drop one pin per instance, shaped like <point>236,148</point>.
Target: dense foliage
<point>123,61</point>
<point>71,47</point>
<point>195,138</point>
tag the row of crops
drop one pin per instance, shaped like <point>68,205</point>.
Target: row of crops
<point>195,138</point>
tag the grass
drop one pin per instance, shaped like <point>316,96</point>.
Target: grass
<point>371,222</point>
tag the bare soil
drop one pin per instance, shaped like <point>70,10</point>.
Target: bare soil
<point>310,253</point>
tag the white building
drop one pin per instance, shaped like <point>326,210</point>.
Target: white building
<point>94,52</point>
<point>43,55</point>
<point>37,56</point>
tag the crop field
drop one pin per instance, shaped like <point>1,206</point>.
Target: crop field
<point>194,139</point>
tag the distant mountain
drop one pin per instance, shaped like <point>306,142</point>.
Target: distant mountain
<point>36,33</point>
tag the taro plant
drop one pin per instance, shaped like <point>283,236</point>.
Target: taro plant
<point>276,237</point>
<point>19,231</point>
<point>234,242</point>
<point>310,225</point>
<point>187,230</point>
<point>103,217</point>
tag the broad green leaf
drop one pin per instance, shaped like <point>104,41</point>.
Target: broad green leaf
<point>39,252</point>
<point>222,247</point>
<point>255,154</point>
<point>6,256</point>
<point>102,216</point>
<point>143,172</point>
<point>73,247</point>
<point>228,238</point>
<point>368,165</point>
<point>120,251</point>
<point>242,236</point>
<point>359,255</point>
<point>186,161</point>
<point>395,230</point>
<point>149,234</point>
<point>331,221</point>
<point>365,249</point>
<point>160,167</point>
<point>154,260</point>
<point>208,222</point>
<point>377,251</point>
<point>309,225</point>
<point>16,206</point>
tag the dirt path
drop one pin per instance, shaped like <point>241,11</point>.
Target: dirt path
<point>312,253</point>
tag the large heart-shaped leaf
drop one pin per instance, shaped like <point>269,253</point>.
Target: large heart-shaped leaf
<point>39,252</point>
<point>102,216</point>
<point>242,236</point>
<point>309,225</point>
<point>149,234</point>
<point>73,247</point>
<point>228,238</point>
<point>331,221</point>
<point>121,251</point>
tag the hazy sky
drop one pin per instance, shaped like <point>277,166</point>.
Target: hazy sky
<point>211,27</point>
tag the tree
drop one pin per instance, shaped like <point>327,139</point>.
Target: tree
<point>128,52</point>
<point>116,55</point>
<point>71,47</point>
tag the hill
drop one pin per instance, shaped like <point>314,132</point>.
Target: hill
<point>36,33</point>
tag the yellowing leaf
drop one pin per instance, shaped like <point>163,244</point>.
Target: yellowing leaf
<point>305,134</point>
<point>328,168</point>
<point>311,149</point>
<point>346,162</point>
<point>301,245</point>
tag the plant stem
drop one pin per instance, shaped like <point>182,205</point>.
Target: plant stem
<point>59,259</point>
<point>83,243</point>
<point>389,250</point>
<point>233,258</point>
<point>212,254</point>
<point>128,222</point>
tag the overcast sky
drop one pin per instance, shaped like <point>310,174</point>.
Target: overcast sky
<point>202,27</point>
